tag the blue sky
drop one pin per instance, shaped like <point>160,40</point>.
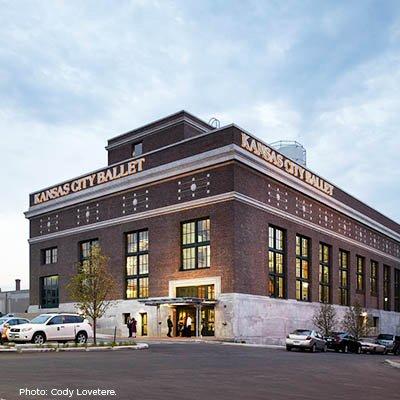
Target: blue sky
<point>73,74</point>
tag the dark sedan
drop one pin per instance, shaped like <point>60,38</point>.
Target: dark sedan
<point>344,342</point>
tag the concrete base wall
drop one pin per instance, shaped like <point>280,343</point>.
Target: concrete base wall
<point>238,317</point>
<point>260,319</point>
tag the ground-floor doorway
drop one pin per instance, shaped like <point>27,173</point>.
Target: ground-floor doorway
<point>207,321</point>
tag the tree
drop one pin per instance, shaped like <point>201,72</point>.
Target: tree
<point>356,321</point>
<point>93,287</point>
<point>325,319</point>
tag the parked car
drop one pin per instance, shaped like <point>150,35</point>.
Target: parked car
<point>7,322</point>
<point>60,327</point>
<point>305,339</point>
<point>344,342</point>
<point>387,340</point>
<point>370,346</point>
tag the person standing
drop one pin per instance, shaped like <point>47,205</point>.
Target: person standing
<point>189,326</point>
<point>181,325</point>
<point>170,326</point>
<point>129,325</point>
<point>134,325</point>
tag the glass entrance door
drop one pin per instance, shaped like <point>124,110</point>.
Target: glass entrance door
<point>207,321</point>
<point>182,313</point>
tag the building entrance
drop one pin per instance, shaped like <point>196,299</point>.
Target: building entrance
<point>207,321</point>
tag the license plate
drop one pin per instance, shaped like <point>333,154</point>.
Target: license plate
<point>296,342</point>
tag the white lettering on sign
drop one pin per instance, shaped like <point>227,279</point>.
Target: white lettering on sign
<point>289,166</point>
<point>107,175</point>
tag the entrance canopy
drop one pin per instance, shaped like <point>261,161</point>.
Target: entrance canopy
<point>176,301</point>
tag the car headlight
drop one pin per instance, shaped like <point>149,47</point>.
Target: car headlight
<point>26,329</point>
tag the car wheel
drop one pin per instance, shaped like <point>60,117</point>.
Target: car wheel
<point>81,337</point>
<point>345,349</point>
<point>38,338</point>
<point>313,348</point>
<point>288,348</point>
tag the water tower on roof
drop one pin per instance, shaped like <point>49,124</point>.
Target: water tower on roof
<point>291,149</point>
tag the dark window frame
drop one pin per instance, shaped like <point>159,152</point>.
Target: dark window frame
<point>374,278</point>
<point>53,255</point>
<point>322,285</point>
<point>133,149</point>
<point>92,242</point>
<point>360,274</point>
<point>138,277</point>
<point>303,259</point>
<point>274,276</point>
<point>44,298</point>
<point>344,289</point>
<point>196,244</point>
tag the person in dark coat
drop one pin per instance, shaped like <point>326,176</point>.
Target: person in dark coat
<point>134,324</point>
<point>170,326</point>
<point>129,326</point>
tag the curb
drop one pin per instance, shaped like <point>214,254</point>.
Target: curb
<point>265,346</point>
<point>394,364</point>
<point>139,346</point>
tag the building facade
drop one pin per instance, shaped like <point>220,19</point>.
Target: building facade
<point>14,301</point>
<point>184,210</point>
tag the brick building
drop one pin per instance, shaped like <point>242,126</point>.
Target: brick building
<point>185,210</point>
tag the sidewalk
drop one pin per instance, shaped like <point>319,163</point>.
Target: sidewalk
<point>181,340</point>
<point>393,363</point>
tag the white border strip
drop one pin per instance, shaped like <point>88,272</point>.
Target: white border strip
<point>204,160</point>
<point>205,202</point>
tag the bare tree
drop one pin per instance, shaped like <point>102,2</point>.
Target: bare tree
<point>93,287</point>
<point>356,321</point>
<point>325,319</point>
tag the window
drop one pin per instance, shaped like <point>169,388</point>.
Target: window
<point>324,273</point>
<point>344,283</point>
<point>302,268</point>
<point>397,290</point>
<point>49,256</point>
<point>386,287</point>
<point>49,291</point>
<point>374,278</point>
<point>195,238</point>
<point>57,320</point>
<point>137,149</point>
<point>137,264</point>
<point>360,273</point>
<point>85,247</point>
<point>276,265</point>
<point>203,292</point>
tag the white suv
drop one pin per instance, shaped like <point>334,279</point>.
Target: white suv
<point>59,327</point>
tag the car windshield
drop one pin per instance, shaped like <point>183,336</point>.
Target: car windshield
<point>385,337</point>
<point>3,320</point>
<point>301,332</point>
<point>40,319</point>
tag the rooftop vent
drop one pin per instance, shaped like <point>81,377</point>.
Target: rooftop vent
<point>214,122</point>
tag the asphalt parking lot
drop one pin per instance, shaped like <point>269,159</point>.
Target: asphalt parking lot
<point>202,371</point>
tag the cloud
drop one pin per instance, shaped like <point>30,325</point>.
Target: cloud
<point>73,74</point>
